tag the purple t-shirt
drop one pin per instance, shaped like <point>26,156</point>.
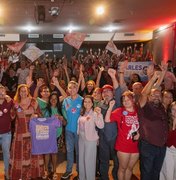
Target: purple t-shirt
<point>43,135</point>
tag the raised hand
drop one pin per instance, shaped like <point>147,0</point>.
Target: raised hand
<point>97,110</point>
<point>112,72</point>
<point>111,104</point>
<point>32,67</point>
<point>157,74</point>
<point>150,70</point>
<point>81,68</point>
<point>55,81</point>
<point>101,68</point>
<point>123,66</point>
<point>40,82</point>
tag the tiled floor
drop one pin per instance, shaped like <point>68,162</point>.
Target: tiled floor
<point>62,166</point>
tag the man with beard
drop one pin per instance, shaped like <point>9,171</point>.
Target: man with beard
<point>153,130</point>
<point>107,135</point>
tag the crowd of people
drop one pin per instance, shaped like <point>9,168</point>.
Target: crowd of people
<point>102,117</point>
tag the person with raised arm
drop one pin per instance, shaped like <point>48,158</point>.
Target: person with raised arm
<point>109,132</point>
<point>90,119</point>
<point>153,130</point>
<point>126,143</point>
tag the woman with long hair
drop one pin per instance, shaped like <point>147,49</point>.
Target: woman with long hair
<point>90,119</point>
<point>126,142</point>
<point>54,108</point>
<point>24,165</point>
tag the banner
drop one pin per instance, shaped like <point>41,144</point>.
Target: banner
<point>75,39</point>
<point>33,53</point>
<point>16,47</point>
<point>139,68</point>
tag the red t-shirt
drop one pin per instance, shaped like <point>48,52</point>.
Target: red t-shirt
<point>127,124</point>
<point>5,118</point>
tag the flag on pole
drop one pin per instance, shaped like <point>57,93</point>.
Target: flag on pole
<point>33,53</point>
<point>75,39</point>
<point>112,47</point>
<point>17,46</point>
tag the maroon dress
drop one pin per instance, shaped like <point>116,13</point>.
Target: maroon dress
<point>24,165</point>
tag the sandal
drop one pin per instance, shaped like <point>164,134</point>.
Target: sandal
<point>55,176</point>
<point>45,176</point>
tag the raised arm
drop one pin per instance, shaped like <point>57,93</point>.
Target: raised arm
<point>29,80</point>
<point>112,73</point>
<point>81,80</point>
<point>158,83</point>
<point>101,69</point>
<point>146,90</point>
<point>108,113</point>
<point>121,71</point>
<point>40,82</point>
<point>66,72</point>
<point>63,93</point>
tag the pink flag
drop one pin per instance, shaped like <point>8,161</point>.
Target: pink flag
<point>17,46</point>
<point>75,39</point>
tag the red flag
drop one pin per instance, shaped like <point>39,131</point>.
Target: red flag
<point>75,39</point>
<point>17,46</point>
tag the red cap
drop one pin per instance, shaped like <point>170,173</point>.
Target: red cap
<point>107,86</point>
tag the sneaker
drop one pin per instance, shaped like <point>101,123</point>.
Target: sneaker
<point>66,175</point>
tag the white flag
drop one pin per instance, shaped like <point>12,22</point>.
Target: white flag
<point>112,47</point>
<point>33,53</point>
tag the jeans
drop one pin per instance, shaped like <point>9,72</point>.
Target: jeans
<point>5,141</point>
<point>151,160</point>
<point>71,143</point>
<point>107,152</point>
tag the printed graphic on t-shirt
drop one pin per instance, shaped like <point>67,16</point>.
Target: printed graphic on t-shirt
<point>133,122</point>
<point>73,110</point>
<point>42,132</point>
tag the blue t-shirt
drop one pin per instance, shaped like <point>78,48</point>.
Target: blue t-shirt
<point>71,111</point>
<point>43,135</point>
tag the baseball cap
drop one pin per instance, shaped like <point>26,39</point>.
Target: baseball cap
<point>107,86</point>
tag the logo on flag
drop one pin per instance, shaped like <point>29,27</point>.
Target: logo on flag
<point>33,53</point>
<point>16,47</point>
<point>75,39</point>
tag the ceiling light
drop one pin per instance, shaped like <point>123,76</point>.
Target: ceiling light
<point>29,28</point>
<point>162,28</point>
<point>110,28</point>
<point>54,11</point>
<point>100,10</point>
<point>70,29</point>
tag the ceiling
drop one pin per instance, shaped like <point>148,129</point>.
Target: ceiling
<point>124,15</point>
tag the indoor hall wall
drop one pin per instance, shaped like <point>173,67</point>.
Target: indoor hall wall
<point>164,44</point>
<point>54,47</point>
